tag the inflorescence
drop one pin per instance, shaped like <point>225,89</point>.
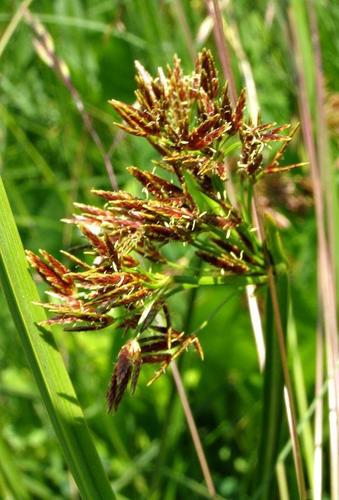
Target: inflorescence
<point>191,123</point>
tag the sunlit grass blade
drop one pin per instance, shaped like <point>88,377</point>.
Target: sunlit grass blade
<point>46,363</point>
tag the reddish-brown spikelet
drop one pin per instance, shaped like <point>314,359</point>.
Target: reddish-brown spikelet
<point>54,272</point>
<point>225,263</point>
<point>157,186</point>
<point>129,361</point>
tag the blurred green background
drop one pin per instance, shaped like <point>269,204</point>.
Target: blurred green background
<point>48,160</point>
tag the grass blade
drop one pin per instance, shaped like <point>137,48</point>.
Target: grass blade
<point>46,363</point>
<point>272,408</point>
<point>300,392</point>
<point>301,396</point>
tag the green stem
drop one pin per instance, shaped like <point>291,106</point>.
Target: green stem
<point>272,410</point>
<point>236,280</point>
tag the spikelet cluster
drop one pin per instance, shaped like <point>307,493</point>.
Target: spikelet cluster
<point>189,120</point>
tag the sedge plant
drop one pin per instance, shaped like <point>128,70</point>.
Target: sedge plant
<point>121,276</point>
<point>275,96</point>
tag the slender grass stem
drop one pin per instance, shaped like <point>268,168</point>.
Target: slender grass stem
<point>323,155</point>
<point>308,415</point>
<point>213,8</point>
<point>325,274</point>
<point>179,387</point>
<point>193,430</point>
<point>271,417</point>
<point>282,481</point>
<point>59,67</point>
<point>13,24</point>
<point>324,162</point>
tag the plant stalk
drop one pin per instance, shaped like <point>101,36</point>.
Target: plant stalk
<point>193,430</point>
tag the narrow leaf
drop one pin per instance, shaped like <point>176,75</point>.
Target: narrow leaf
<point>47,364</point>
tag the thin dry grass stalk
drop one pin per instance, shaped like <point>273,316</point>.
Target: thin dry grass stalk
<point>193,430</point>
<point>13,24</point>
<point>45,48</point>
<point>322,140</point>
<point>213,8</point>
<point>323,161</point>
<point>325,274</point>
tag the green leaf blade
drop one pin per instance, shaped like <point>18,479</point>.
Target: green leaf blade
<point>47,364</point>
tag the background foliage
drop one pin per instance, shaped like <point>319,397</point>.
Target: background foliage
<point>48,161</point>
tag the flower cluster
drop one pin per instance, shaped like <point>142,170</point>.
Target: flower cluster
<point>189,120</point>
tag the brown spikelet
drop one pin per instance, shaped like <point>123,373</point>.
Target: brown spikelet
<point>156,185</point>
<point>239,110</point>
<point>223,262</point>
<point>140,122</point>
<point>53,272</point>
<point>129,361</point>
<point>209,76</point>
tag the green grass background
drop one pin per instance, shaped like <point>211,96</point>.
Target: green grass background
<point>48,161</point>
